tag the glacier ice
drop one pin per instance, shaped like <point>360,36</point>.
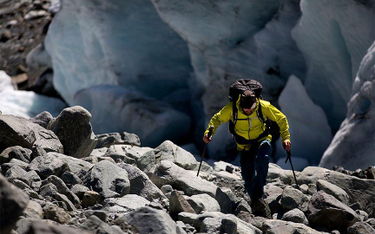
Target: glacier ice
<point>353,146</point>
<point>333,36</point>
<point>115,109</point>
<point>25,103</point>
<point>114,42</point>
<point>309,130</point>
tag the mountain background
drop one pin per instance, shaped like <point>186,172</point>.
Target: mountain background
<point>161,69</point>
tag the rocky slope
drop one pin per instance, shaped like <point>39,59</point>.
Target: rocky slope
<point>58,177</point>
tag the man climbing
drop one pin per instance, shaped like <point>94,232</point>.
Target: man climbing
<point>249,118</point>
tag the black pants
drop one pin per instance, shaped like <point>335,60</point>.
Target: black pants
<point>254,168</point>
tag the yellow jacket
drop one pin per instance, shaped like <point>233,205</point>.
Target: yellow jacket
<point>249,126</point>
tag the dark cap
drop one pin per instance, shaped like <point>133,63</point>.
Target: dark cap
<point>248,99</point>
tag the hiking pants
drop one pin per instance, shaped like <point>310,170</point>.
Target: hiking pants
<point>254,168</point>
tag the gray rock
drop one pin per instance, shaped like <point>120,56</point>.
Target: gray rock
<point>102,215</point>
<point>14,162</point>
<point>95,225</point>
<point>171,152</point>
<point>17,172</point>
<point>203,202</point>
<point>42,119</point>
<point>70,179</point>
<point>360,228</point>
<point>23,225</point>
<point>326,211</point>
<point>146,219</point>
<point>141,185</point>
<point>126,153</point>
<point>296,216</point>
<point>273,195</point>
<point>210,225</point>
<point>371,222</point>
<point>125,204</point>
<point>169,173</point>
<point>333,190</point>
<point>16,152</point>
<point>243,208</point>
<point>292,198</point>
<point>79,190</point>
<point>50,190</point>
<point>39,227</point>
<point>226,199</point>
<point>33,210</point>
<point>12,203</point>
<point>56,214</point>
<point>74,130</point>
<point>62,188</point>
<point>362,215</point>
<point>48,165</point>
<point>22,132</point>
<point>279,226</point>
<point>228,224</point>
<point>108,179</point>
<point>108,139</point>
<point>351,185</point>
<point>177,204</point>
<point>90,198</point>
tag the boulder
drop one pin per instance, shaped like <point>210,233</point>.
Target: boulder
<point>146,219</point>
<point>90,198</point>
<point>116,138</point>
<point>281,227</point>
<point>126,153</point>
<point>203,202</point>
<point>295,216</point>
<point>333,190</point>
<point>57,214</point>
<point>326,211</point>
<point>95,225</point>
<point>48,165</point>
<point>39,227</point>
<point>353,186</point>
<point>50,190</point>
<point>177,204</point>
<point>17,152</point>
<point>171,152</point>
<point>226,199</point>
<point>125,204</point>
<point>42,119</point>
<point>108,179</point>
<point>12,203</point>
<point>62,188</point>
<point>292,198</point>
<point>20,131</point>
<point>33,210</point>
<point>141,185</point>
<point>169,173</point>
<point>360,228</point>
<point>74,130</point>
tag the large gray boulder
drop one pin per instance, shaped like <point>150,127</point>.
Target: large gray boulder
<point>141,185</point>
<point>16,130</point>
<point>292,198</point>
<point>353,186</point>
<point>116,138</point>
<point>125,204</point>
<point>280,227</point>
<point>333,190</point>
<point>108,179</point>
<point>39,227</point>
<point>326,211</point>
<point>169,173</point>
<point>74,130</point>
<point>146,219</point>
<point>12,202</point>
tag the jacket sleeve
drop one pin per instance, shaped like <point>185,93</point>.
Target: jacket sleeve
<point>223,116</point>
<point>277,116</point>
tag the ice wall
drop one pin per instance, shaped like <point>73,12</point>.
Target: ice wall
<point>123,44</point>
<point>354,144</point>
<point>333,36</point>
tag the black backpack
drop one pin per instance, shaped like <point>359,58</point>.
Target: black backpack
<point>235,90</point>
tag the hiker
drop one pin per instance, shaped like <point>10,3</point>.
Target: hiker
<point>248,115</point>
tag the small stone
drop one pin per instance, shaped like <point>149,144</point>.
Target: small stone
<point>90,198</point>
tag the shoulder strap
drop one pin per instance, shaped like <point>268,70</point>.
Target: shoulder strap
<point>260,114</point>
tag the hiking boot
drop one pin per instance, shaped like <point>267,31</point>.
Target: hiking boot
<point>261,208</point>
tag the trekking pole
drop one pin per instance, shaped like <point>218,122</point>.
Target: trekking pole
<point>288,157</point>
<point>205,147</point>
